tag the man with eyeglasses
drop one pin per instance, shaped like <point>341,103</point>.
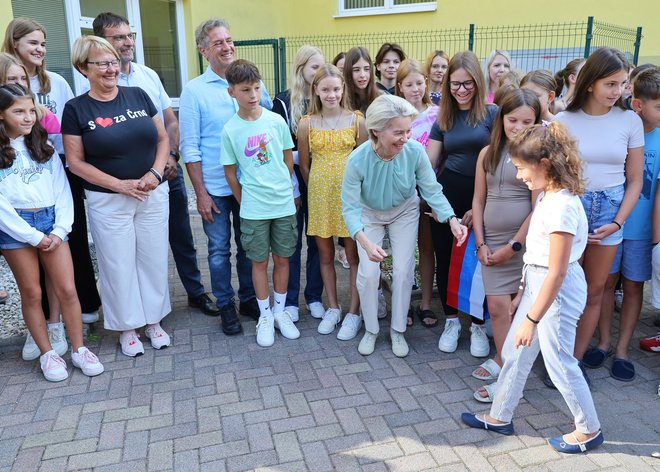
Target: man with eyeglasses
<point>116,30</point>
<point>204,108</point>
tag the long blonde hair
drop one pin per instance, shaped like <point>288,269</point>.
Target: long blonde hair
<point>16,29</point>
<point>298,103</point>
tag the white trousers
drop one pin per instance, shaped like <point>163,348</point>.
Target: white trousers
<point>402,222</point>
<point>555,338</point>
<point>131,239</point>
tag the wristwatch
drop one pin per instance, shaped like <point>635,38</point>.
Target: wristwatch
<point>515,245</point>
<point>175,155</point>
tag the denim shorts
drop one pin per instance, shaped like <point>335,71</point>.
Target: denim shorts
<point>633,259</point>
<point>601,207</point>
<point>43,220</point>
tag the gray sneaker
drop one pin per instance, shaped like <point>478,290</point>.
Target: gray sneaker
<point>399,344</point>
<point>368,343</point>
<point>57,338</point>
<point>30,349</point>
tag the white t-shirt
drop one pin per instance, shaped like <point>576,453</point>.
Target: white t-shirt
<point>28,184</point>
<point>555,212</point>
<point>604,141</point>
<point>60,93</point>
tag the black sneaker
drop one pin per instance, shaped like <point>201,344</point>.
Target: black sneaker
<point>250,308</point>
<point>230,323</point>
<point>205,305</point>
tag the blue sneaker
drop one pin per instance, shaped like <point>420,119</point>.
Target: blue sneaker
<point>562,446</point>
<point>472,421</point>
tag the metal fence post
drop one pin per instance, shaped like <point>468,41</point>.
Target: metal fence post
<point>471,38</point>
<point>276,66</point>
<point>588,36</point>
<point>282,45</point>
<point>638,42</point>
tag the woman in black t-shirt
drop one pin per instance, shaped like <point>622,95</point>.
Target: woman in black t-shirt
<point>116,142</point>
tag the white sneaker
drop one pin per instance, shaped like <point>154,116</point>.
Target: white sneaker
<point>53,367</point>
<point>89,318</point>
<point>399,344</point>
<point>158,337</point>
<point>382,306</point>
<point>87,361</point>
<point>30,349</point>
<point>330,320</point>
<point>479,345</point>
<point>449,339</point>
<point>284,324</point>
<point>266,331</point>
<point>131,345</point>
<point>57,338</point>
<point>294,312</point>
<point>368,343</point>
<point>316,310</point>
<point>349,327</point>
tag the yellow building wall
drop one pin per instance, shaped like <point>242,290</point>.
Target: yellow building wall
<point>255,19</point>
<point>6,15</point>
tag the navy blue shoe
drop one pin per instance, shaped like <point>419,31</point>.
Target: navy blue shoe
<point>562,446</point>
<point>472,421</point>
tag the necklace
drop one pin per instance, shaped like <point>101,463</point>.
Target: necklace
<point>381,157</point>
<point>336,122</point>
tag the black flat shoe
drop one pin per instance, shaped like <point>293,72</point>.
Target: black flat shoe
<point>250,309</point>
<point>230,324</point>
<point>204,304</point>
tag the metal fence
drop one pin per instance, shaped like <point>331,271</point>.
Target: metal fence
<point>540,46</point>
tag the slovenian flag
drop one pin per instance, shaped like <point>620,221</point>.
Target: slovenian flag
<point>465,288</point>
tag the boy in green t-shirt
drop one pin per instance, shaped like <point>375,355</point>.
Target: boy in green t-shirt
<point>259,143</point>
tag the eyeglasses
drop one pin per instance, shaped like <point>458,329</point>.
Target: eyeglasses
<point>456,86</point>
<point>120,38</point>
<point>103,65</point>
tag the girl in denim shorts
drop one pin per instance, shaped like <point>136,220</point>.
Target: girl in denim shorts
<point>611,143</point>
<point>36,214</point>
<point>553,291</point>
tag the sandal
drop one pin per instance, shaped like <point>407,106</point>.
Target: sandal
<point>411,319</point>
<point>426,314</point>
<point>489,366</point>
<point>595,357</point>
<point>490,391</point>
<point>622,370</point>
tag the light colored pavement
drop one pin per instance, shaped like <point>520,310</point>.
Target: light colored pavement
<point>214,403</point>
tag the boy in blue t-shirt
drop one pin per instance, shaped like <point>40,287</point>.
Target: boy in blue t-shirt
<point>633,258</point>
<point>258,142</point>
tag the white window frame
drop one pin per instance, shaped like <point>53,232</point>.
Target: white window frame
<point>75,22</point>
<point>388,8</point>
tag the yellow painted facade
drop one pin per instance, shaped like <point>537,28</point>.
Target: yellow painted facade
<point>254,19</point>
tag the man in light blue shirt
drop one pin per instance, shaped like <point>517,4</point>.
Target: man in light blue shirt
<point>204,108</point>
<point>117,31</point>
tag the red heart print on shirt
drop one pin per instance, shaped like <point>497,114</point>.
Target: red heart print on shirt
<point>105,122</point>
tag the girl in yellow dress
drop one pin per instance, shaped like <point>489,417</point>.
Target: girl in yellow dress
<point>326,136</point>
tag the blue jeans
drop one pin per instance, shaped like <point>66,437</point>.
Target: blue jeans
<point>181,237</point>
<point>42,220</point>
<point>219,236</point>
<point>314,287</point>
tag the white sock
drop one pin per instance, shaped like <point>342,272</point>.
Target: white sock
<point>279,301</point>
<point>264,307</point>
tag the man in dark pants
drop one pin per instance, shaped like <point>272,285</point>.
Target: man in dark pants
<point>116,30</point>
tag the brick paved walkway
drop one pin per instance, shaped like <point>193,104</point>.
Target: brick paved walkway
<point>215,403</point>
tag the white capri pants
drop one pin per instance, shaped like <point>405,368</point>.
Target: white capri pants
<point>555,338</point>
<point>131,239</point>
<point>402,222</point>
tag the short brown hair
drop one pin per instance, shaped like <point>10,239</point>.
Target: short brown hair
<point>242,70</point>
<point>384,49</point>
<point>646,85</point>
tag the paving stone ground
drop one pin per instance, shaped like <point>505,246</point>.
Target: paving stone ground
<point>214,403</point>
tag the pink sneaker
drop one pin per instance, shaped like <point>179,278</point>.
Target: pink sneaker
<point>130,343</point>
<point>158,337</point>
<point>86,361</point>
<point>53,367</point>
